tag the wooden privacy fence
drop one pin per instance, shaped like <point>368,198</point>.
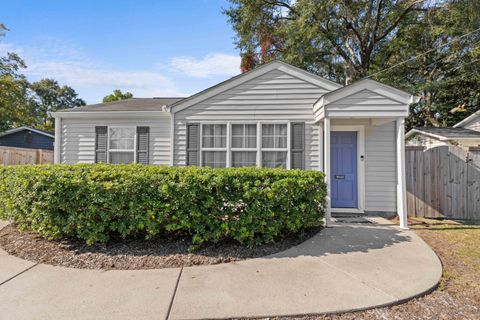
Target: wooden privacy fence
<point>11,155</point>
<point>442,182</point>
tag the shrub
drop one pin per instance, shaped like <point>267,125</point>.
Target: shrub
<point>96,202</point>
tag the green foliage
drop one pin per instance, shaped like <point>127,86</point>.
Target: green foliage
<point>16,101</point>
<point>117,95</point>
<point>334,38</point>
<point>51,97</point>
<point>3,30</point>
<point>446,73</point>
<point>348,40</point>
<point>97,202</point>
<point>24,103</point>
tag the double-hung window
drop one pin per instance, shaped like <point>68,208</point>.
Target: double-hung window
<point>244,145</point>
<point>121,144</point>
<point>274,145</point>
<point>261,144</point>
<point>214,145</point>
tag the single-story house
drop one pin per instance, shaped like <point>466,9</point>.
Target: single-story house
<point>465,134</point>
<point>26,137</point>
<point>276,115</point>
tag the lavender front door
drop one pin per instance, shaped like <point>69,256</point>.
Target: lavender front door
<point>344,169</point>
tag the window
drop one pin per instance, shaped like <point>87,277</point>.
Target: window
<point>215,159</point>
<point>274,145</point>
<point>214,145</point>
<point>121,145</point>
<point>223,145</point>
<point>244,158</point>
<point>244,145</point>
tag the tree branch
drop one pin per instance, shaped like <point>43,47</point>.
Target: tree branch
<point>281,4</point>
<point>397,21</point>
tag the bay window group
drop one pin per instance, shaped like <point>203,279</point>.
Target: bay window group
<point>247,144</point>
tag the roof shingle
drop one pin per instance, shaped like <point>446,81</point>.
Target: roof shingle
<point>133,104</point>
<point>450,133</point>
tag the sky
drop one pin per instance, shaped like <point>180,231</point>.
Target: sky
<point>160,48</point>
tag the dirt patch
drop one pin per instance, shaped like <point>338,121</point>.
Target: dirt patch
<point>161,252</point>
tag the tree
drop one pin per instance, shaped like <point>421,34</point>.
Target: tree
<point>117,95</point>
<point>16,102</point>
<point>443,63</point>
<point>51,97</point>
<point>22,103</point>
<point>3,29</point>
<point>346,40</point>
<point>335,38</point>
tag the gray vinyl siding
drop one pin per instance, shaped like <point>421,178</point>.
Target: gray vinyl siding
<point>273,96</point>
<point>78,138</point>
<point>474,124</point>
<point>380,168</point>
<point>365,102</point>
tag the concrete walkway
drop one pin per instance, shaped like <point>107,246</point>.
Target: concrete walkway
<point>350,266</point>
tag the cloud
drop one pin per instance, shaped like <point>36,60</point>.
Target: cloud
<point>87,74</point>
<point>93,78</point>
<point>63,61</point>
<point>216,64</point>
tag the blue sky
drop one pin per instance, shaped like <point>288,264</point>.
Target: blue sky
<point>150,48</point>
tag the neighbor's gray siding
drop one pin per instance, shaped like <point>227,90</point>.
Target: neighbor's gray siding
<point>273,96</point>
<point>380,168</point>
<point>18,139</point>
<point>78,138</point>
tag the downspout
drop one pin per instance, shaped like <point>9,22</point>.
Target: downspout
<point>172,136</point>
<point>58,139</point>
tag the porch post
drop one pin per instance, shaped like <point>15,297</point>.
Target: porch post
<point>326,167</point>
<point>320,148</point>
<point>58,140</point>
<point>401,185</point>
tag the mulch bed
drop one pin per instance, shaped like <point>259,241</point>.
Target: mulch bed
<point>130,254</point>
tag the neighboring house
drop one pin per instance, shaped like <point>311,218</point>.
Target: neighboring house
<point>273,116</point>
<point>26,137</point>
<point>465,134</point>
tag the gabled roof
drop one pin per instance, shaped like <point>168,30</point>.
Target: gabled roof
<point>368,84</point>
<point>42,132</point>
<point>244,77</point>
<point>467,119</point>
<point>133,104</point>
<point>445,133</point>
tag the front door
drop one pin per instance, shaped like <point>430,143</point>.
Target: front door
<point>344,169</point>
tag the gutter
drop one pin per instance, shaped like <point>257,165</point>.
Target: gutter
<point>93,114</point>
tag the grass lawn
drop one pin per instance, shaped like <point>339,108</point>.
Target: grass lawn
<point>458,295</point>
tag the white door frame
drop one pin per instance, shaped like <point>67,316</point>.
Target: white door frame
<point>360,129</point>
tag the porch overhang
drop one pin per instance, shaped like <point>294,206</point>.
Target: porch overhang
<point>364,99</point>
<point>379,103</point>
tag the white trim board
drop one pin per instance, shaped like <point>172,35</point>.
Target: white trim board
<point>467,119</point>
<point>110,114</point>
<point>360,129</point>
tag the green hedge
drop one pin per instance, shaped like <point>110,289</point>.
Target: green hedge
<point>96,202</point>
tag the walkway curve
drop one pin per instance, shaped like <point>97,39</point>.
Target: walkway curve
<point>351,266</point>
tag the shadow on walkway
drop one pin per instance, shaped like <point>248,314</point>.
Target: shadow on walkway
<point>346,238</point>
